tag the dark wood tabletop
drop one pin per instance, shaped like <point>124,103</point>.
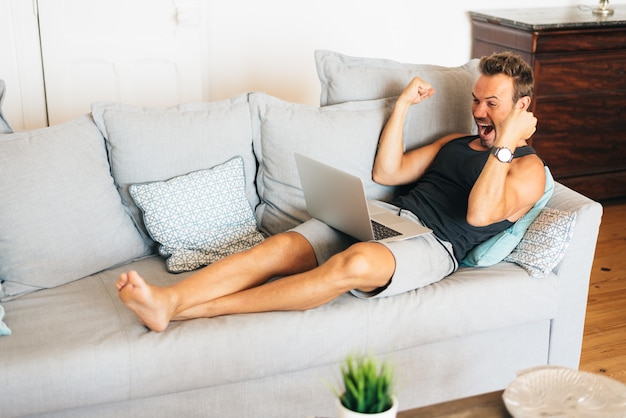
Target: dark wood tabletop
<point>488,405</point>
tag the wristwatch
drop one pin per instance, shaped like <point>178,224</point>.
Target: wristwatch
<point>503,154</point>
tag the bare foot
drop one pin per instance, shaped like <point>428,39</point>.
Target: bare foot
<point>146,301</point>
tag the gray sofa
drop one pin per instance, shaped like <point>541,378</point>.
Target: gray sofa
<point>69,226</point>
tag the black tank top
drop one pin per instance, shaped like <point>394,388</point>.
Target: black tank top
<point>440,197</point>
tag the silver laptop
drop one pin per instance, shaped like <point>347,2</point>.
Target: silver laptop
<point>338,199</point>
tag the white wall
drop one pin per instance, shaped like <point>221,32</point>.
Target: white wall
<point>268,45</point>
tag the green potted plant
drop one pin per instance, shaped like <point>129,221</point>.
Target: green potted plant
<point>368,389</point>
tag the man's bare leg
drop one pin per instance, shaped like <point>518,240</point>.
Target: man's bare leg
<point>283,254</point>
<point>365,266</point>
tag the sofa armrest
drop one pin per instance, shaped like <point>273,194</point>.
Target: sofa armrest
<point>574,273</point>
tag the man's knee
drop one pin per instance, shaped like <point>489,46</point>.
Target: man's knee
<point>292,247</point>
<point>369,263</point>
<point>285,241</point>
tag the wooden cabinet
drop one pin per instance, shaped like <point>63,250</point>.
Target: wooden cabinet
<point>579,61</point>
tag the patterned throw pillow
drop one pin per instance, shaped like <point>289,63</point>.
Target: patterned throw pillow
<point>545,242</point>
<point>200,217</point>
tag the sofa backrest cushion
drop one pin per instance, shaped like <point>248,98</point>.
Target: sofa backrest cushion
<point>345,78</point>
<point>61,218</point>
<point>147,144</point>
<point>344,136</point>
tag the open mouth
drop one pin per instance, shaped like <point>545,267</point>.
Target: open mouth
<point>484,129</point>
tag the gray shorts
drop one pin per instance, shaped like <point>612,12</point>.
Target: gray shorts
<point>420,261</point>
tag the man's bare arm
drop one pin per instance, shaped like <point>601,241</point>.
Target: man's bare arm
<point>392,165</point>
<point>508,190</point>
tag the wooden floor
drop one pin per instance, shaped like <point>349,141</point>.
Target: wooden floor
<point>604,341</point>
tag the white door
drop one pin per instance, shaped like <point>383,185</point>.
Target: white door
<point>20,65</point>
<point>143,52</point>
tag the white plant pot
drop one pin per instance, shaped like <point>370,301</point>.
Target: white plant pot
<point>390,413</point>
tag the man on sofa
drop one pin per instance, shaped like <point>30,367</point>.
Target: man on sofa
<point>467,189</point>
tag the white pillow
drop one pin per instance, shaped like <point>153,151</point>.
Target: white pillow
<point>344,136</point>
<point>151,144</point>
<point>61,218</point>
<point>200,217</point>
<point>545,242</point>
<point>345,78</point>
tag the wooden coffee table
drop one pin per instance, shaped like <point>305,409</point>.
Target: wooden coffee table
<point>488,405</point>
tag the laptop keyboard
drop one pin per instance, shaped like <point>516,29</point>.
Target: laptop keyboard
<point>382,231</point>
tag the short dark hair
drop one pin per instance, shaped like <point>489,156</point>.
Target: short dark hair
<point>511,65</point>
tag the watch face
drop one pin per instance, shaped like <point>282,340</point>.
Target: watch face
<point>504,155</point>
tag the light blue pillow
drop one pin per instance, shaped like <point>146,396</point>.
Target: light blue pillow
<point>199,217</point>
<point>496,248</point>
<point>4,330</point>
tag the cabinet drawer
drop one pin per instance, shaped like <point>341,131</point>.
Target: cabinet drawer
<point>568,74</point>
<point>573,40</point>
<point>569,154</point>
<point>582,113</point>
<point>582,134</point>
<point>599,186</point>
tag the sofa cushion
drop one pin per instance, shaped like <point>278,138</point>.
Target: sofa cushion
<point>4,329</point>
<point>61,218</point>
<point>345,78</point>
<point>344,136</point>
<point>545,242</point>
<point>146,144</point>
<point>200,217</point>
<point>141,363</point>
